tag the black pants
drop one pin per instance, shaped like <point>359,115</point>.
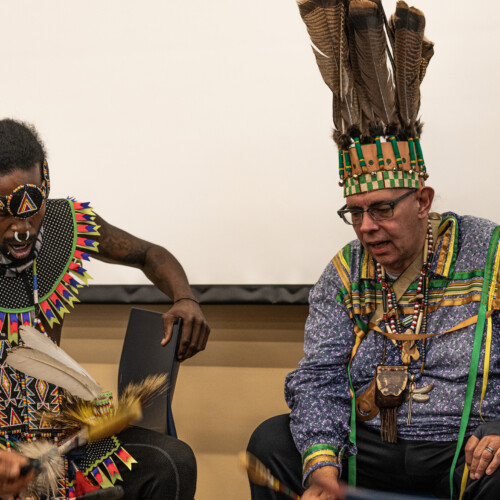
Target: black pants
<point>413,467</point>
<point>165,468</point>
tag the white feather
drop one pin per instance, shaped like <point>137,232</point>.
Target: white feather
<point>50,468</point>
<point>40,342</point>
<point>41,358</point>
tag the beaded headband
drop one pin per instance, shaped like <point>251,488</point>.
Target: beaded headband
<point>375,104</point>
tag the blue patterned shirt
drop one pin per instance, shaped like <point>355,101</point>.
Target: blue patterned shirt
<point>345,296</point>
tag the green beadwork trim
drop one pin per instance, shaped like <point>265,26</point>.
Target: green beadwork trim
<point>341,165</point>
<point>411,149</point>
<point>380,155</point>
<point>347,162</point>
<point>420,156</point>
<point>395,148</point>
<point>359,151</point>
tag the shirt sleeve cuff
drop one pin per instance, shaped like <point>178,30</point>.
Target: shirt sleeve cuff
<point>320,455</point>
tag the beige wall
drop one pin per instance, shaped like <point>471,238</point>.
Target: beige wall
<point>223,393</point>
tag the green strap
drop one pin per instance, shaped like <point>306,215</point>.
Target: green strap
<point>351,461</point>
<point>476,351</point>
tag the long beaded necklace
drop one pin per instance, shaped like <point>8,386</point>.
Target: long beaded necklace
<point>416,323</point>
<point>37,322</point>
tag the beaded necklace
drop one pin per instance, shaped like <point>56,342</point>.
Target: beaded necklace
<point>417,323</point>
<point>37,322</point>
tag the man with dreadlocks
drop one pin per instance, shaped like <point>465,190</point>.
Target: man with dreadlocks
<point>398,388</point>
<point>43,244</point>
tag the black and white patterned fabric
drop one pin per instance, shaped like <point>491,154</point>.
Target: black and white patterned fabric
<point>59,233</point>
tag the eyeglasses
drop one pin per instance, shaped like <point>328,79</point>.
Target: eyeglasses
<point>378,211</point>
<point>28,199</point>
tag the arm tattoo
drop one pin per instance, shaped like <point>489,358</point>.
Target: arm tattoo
<point>118,246</point>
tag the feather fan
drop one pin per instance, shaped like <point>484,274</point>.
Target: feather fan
<point>259,474</point>
<point>46,457</point>
<point>76,412</point>
<point>41,358</point>
<point>47,463</point>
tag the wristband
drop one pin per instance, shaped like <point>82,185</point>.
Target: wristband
<point>186,298</point>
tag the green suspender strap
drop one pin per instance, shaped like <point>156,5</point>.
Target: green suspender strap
<point>351,461</point>
<point>476,349</point>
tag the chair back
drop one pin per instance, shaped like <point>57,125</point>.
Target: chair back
<point>142,355</point>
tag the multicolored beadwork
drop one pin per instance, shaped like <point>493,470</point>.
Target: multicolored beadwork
<point>418,319</point>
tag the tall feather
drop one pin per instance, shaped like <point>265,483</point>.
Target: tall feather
<point>409,25</point>
<point>42,359</point>
<point>325,22</point>
<point>368,49</point>
<point>390,34</point>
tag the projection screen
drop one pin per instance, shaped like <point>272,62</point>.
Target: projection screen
<point>205,126</point>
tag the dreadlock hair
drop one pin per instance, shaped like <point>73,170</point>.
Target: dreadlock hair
<point>20,146</point>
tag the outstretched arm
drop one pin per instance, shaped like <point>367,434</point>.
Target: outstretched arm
<point>163,270</point>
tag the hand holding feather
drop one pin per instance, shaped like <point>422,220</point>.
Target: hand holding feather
<point>46,457</point>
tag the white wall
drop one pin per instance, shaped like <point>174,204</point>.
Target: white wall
<point>204,126</point>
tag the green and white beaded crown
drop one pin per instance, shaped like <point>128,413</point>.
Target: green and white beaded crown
<point>382,165</point>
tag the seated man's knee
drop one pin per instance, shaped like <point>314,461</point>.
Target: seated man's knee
<point>185,462</point>
<point>269,436</point>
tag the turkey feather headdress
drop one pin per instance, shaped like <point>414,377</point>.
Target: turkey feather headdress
<point>374,68</point>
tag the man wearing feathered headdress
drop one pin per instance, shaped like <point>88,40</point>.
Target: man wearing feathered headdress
<point>43,245</point>
<point>398,387</point>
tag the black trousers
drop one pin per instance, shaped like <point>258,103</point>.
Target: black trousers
<point>165,468</point>
<point>412,467</point>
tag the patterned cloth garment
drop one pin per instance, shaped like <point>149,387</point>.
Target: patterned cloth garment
<point>69,239</point>
<point>317,392</point>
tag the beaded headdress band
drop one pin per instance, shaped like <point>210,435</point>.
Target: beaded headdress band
<point>375,104</point>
